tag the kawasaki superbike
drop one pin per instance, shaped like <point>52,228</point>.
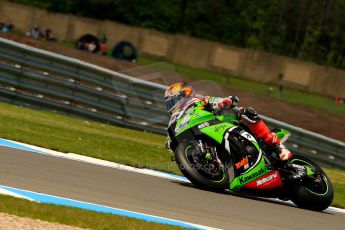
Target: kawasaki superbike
<point>218,152</point>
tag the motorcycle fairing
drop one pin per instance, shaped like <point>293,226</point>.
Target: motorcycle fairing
<point>229,119</point>
<point>193,116</point>
<point>216,132</point>
<point>250,175</point>
<point>271,180</point>
<point>282,134</point>
<point>217,128</point>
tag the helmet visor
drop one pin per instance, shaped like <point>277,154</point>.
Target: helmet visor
<point>172,102</point>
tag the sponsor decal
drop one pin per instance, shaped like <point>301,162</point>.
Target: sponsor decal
<point>183,123</point>
<point>266,179</point>
<point>203,125</point>
<point>243,162</point>
<point>245,179</point>
<point>247,136</point>
<point>220,127</point>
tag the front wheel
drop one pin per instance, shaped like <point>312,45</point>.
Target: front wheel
<point>202,169</point>
<point>316,191</point>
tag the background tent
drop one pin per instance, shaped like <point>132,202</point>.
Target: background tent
<point>84,42</point>
<point>125,50</point>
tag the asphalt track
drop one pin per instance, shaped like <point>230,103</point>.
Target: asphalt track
<point>153,195</point>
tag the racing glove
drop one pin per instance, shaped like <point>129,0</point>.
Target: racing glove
<point>228,102</point>
<point>234,100</point>
<point>218,104</point>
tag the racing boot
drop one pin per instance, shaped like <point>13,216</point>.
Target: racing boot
<point>271,140</point>
<point>282,151</point>
<point>298,172</point>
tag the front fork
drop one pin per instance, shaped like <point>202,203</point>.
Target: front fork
<point>209,153</point>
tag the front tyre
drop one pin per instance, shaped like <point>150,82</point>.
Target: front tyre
<point>204,173</point>
<point>316,191</point>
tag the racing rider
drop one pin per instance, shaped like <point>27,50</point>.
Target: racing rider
<point>180,96</point>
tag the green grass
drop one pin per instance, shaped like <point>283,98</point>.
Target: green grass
<point>289,95</point>
<point>67,134</point>
<point>69,44</point>
<point>73,216</point>
<point>338,180</point>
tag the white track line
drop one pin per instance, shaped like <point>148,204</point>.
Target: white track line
<point>9,193</point>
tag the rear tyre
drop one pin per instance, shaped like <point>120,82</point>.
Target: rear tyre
<point>316,191</point>
<point>207,176</point>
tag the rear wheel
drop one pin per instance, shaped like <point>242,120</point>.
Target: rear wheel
<point>202,169</point>
<point>316,191</point>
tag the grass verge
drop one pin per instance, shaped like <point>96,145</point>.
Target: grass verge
<point>338,180</point>
<point>289,95</point>
<point>73,216</point>
<point>67,134</point>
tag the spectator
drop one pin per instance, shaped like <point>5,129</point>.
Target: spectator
<point>339,100</point>
<point>103,39</point>
<point>35,33</point>
<point>49,36</point>
<point>103,44</point>
<point>5,27</point>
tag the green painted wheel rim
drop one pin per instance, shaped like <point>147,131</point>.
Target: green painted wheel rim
<point>324,178</point>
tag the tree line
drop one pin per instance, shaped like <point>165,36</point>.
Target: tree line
<point>312,30</point>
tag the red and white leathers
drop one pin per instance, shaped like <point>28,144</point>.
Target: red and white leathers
<point>250,118</point>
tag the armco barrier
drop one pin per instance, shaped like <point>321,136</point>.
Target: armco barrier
<point>45,80</point>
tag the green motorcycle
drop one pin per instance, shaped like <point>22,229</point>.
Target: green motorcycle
<point>218,152</point>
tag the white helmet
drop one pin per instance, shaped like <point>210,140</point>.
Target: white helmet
<point>177,95</point>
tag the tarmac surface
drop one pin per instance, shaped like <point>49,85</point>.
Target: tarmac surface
<point>152,195</point>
